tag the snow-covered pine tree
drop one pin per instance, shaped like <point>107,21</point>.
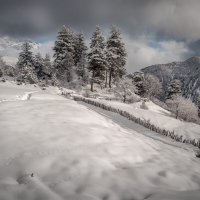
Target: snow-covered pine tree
<point>25,65</point>
<point>139,82</point>
<point>97,58</point>
<point>47,65</point>
<point>80,57</point>
<point>47,69</point>
<point>64,54</point>
<point>68,68</point>
<point>55,81</point>
<point>39,65</point>
<point>116,55</point>
<point>174,89</point>
<point>174,96</point>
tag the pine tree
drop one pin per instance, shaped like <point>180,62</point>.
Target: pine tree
<point>64,54</point>
<point>25,65</point>
<point>26,56</point>
<point>139,82</point>
<point>174,89</point>
<point>38,66</point>
<point>47,68</point>
<point>97,58</point>
<point>80,57</point>
<point>116,55</point>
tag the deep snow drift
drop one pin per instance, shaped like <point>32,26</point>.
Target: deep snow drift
<point>55,148</point>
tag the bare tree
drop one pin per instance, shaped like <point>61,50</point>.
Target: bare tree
<point>126,90</point>
<point>152,85</point>
<point>183,108</point>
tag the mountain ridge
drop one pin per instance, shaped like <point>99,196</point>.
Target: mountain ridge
<point>188,72</point>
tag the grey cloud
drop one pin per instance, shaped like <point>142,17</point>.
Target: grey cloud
<point>171,28</point>
<point>178,19</point>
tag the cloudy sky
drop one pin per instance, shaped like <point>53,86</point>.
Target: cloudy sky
<point>154,31</point>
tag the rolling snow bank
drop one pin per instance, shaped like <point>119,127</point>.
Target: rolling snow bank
<point>152,119</point>
<point>77,153</point>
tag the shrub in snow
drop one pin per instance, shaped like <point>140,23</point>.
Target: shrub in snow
<point>183,108</point>
<point>198,154</point>
<point>125,89</point>
<point>143,105</point>
<point>87,93</point>
<point>3,80</point>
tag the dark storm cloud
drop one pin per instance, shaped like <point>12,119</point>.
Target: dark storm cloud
<point>155,31</point>
<point>177,19</point>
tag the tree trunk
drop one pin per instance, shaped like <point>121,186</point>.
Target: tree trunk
<point>92,89</point>
<point>106,83</point>
<point>110,78</point>
<point>92,82</point>
<point>124,98</point>
<point>177,111</point>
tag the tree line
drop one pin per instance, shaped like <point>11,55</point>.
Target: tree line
<point>103,63</point>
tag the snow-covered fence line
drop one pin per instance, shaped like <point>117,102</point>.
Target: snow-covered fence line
<point>143,122</point>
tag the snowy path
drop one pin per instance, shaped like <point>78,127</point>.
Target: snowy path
<point>80,152</point>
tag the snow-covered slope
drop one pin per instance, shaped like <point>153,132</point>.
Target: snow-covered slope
<point>55,148</point>
<point>159,117</point>
<point>188,72</point>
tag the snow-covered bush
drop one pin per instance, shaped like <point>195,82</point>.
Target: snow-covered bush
<point>183,108</point>
<point>152,86</point>
<point>87,93</point>
<point>197,154</point>
<point>143,105</point>
<point>125,89</point>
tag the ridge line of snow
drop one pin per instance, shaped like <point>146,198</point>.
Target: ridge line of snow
<point>25,97</point>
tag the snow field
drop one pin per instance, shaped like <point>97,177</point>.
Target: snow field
<point>157,116</point>
<point>79,152</point>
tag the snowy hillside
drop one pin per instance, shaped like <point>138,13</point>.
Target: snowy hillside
<point>188,72</point>
<point>158,117</point>
<point>55,148</point>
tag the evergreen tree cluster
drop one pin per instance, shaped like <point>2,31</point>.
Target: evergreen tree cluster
<point>106,59</point>
<point>103,63</point>
<point>33,68</point>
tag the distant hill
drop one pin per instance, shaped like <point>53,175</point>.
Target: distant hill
<point>188,72</point>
